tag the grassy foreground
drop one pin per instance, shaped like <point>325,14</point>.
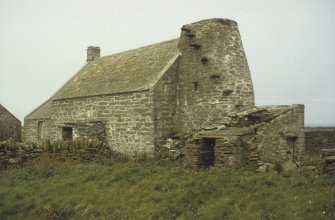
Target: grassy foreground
<point>157,189</point>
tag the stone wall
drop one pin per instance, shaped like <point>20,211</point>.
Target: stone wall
<point>19,154</point>
<point>90,130</point>
<point>31,130</point>
<point>10,126</point>
<point>328,160</point>
<point>165,97</point>
<point>127,119</point>
<point>318,138</point>
<point>214,77</point>
<point>283,138</point>
<point>260,135</point>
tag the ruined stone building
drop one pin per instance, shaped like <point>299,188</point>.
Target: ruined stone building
<point>10,126</point>
<point>137,100</point>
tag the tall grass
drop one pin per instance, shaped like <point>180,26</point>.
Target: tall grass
<point>161,189</point>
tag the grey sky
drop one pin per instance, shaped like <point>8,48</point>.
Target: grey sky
<point>289,44</point>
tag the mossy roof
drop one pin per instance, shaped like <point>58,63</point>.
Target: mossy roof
<point>41,112</point>
<point>3,110</point>
<point>129,71</point>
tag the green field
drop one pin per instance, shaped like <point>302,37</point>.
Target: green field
<point>162,189</point>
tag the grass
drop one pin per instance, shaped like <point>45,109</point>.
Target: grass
<point>161,189</point>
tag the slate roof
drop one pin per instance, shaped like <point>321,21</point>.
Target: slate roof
<point>129,71</point>
<point>245,122</point>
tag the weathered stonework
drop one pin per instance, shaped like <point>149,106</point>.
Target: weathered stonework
<point>260,135</point>
<point>10,126</point>
<point>37,130</point>
<point>127,119</point>
<point>19,154</point>
<point>214,77</point>
<point>165,98</point>
<point>319,138</point>
<point>142,100</point>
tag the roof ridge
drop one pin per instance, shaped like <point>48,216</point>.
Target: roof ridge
<point>139,48</point>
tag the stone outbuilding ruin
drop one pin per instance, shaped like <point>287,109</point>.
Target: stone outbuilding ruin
<point>137,100</point>
<point>10,126</point>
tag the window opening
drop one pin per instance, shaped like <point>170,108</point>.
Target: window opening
<point>204,60</point>
<point>40,130</point>
<point>67,133</point>
<point>196,86</point>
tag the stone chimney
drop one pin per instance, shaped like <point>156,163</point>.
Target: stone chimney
<point>92,53</point>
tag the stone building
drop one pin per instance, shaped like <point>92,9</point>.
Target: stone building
<point>10,126</point>
<point>136,100</point>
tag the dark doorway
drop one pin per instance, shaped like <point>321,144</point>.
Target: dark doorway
<point>67,133</point>
<point>207,155</point>
<point>291,151</point>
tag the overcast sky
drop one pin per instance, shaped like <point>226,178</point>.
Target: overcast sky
<point>290,44</point>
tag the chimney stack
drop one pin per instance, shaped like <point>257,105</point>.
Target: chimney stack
<point>92,53</point>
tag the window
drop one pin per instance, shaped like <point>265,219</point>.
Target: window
<point>67,133</point>
<point>196,86</point>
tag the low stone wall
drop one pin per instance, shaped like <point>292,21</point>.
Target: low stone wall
<point>12,153</point>
<point>328,160</point>
<point>319,138</point>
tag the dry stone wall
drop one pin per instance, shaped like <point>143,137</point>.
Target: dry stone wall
<point>283,138</point>
<point>263,135</point>
<point>328,160</point>
<point>214,77</point>
<point>18,154</point>
<point>127,119</point>
<point>319,138</point>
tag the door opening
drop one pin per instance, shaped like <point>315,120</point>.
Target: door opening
<point>207,154</point>
<point>291,153</point>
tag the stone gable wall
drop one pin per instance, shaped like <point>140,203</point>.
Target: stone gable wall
<point>214,77</point>
<point>283,138</point>
<point>165,97</point>
<point>10,127</point>
<point>31,130</point>
<point>128,119</point>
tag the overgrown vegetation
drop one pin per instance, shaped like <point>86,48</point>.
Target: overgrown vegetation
<point>161,189</point>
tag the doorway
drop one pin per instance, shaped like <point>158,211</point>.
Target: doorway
<point>207,154</point>
<point>291,151</point>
